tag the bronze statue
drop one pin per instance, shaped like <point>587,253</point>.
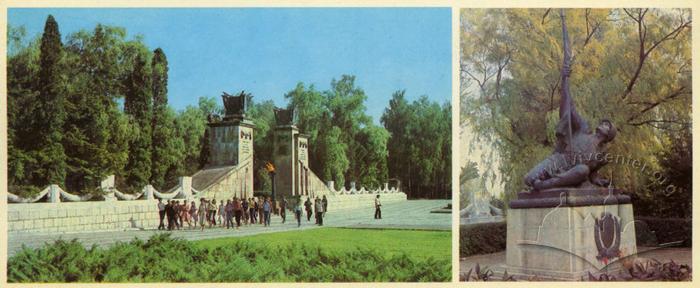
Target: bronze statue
<point>285,116</point>
<point>235,105</point>
<point>579,153</point>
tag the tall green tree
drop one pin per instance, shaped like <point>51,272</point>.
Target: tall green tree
<point>191,125</point>
<point>309,104</point>
<point>93,61</point>
<point>373,155</point>
<point>163,151</point>
<point>139,104</point>
<point>420,146</point>
<point>333,151</point>
<point>22,94</point>
<point>348,112</point>
<point>50,111</point>
<point>175,152</point>
<point>395,119</point>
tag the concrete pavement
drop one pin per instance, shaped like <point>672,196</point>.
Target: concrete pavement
<point>411,214</point>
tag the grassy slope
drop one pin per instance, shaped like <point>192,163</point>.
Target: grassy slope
<point>416,244</point>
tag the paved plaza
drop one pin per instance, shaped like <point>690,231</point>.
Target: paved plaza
<point>411,214</point>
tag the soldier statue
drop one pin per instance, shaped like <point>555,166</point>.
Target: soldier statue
<point>579,153</point>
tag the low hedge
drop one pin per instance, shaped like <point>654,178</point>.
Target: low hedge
<point>164,259</point>
<point>482,238</point>
<point>652,231</point>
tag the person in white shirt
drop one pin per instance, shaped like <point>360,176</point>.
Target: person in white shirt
<point>377,208</point>
<point>161,213</point>
<point>222,213</point>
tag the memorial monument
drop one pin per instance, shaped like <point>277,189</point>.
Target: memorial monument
<point>571,221</point>
<point>229,169</point>
<point>290,156</point>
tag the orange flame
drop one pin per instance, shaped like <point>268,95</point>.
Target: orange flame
<point>269,167</point>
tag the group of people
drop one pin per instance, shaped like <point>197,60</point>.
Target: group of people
<point>318,208</point>
<point>175,213</point>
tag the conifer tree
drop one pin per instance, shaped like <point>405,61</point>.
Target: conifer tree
<point>162,157</point>
<point>50,113</point>
<point>138,104</point>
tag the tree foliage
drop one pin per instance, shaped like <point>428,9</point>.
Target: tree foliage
<point>94,149</point>
<point>138,104</point>
<point>99,106</point>
<point>49,111</point>
<point>345,145</point>
<point>631,66</point>
<point>164,156</point>
<point>420,145</point>
<point>22,95</point>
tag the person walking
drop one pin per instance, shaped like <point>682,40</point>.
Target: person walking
<point>181,213</point>
<point>319,211</point>
<point>261,211</point>
<point>203,210</point>
<point>169,214</point>
<point>283,209</point>
<point>324,201</point>
<point>237,211</point>
<point>246,215</point>
<point>253,210</point>
<point>193,213</point>
<point>297,211</point>
<point>185,214</point>
<point>222,213</point>
<point>228,211</point>
<point>176,214</point>
<point>377,208</point>
<point>308,205</point>
<point>267,208</point>
<point>212,213</point>
<point>161,214</point>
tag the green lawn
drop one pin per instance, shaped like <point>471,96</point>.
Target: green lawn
<point>416,244</point>
<point>314,255</point>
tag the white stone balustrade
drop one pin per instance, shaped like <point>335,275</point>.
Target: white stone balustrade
<point>54,194</point>
<point>353,189</point>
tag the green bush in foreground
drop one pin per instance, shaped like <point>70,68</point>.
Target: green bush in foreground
<point>164,259</point>
<point>482,238</point>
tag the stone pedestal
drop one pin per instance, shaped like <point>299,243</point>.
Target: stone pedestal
<point>566,241</point>
<point>229,170</point>
<point>291,159</point>
<point>230,141</point>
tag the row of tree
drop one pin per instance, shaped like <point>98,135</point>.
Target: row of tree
<point>632,66</point>
<point>93,106</point>
<point>97,104</point>
<point>413,148</point>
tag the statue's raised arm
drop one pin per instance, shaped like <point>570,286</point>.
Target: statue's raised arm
<point>571,164</point>
<point>570,122</point>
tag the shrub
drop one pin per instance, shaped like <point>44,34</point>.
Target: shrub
<point>654,270</point>
<point>164,259</point>
<point>655,230</point>
<point>482,238</point>
<point>485,274</point>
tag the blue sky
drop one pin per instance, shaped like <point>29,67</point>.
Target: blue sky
<point>268,51</point>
